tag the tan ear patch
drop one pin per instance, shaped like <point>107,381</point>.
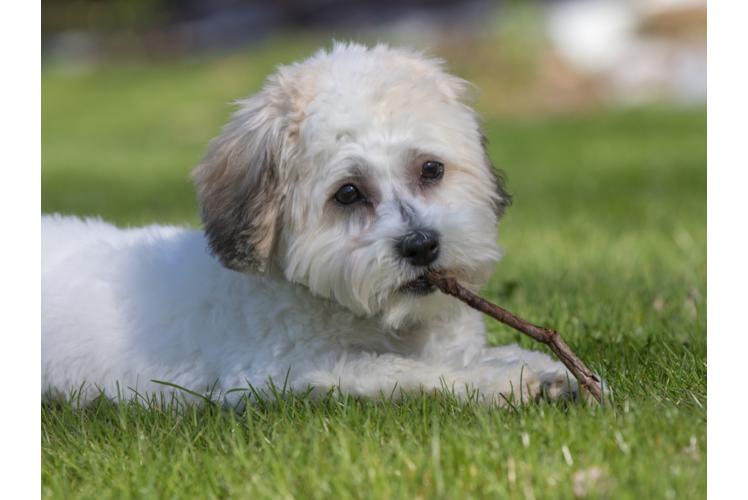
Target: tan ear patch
<point>238,188</point>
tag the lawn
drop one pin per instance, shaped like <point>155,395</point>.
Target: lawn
<point>605,242</point>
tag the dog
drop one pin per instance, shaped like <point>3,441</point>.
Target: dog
<point>323,202</point>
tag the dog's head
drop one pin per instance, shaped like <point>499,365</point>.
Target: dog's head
<point>353,172</point>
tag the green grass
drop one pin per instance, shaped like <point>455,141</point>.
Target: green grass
<point>605,242</point>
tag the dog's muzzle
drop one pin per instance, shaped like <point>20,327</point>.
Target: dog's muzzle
<point>420,248</point>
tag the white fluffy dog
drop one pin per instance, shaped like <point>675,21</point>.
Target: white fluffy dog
<point>323,201</point>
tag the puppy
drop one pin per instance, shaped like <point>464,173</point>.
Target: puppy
<point>323,201</point>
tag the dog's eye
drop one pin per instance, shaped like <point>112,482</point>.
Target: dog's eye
<point>432,170</point>
<point>347,195</point>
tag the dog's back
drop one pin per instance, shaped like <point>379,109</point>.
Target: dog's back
<point>64,236</point>
<point>86,267</point>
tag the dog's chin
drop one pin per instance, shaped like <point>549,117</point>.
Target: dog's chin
<point>416,307</point>
<point>416,302</point>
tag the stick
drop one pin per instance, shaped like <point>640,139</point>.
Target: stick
<point>549,337</point>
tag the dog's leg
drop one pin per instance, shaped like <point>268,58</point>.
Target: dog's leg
<point>498,376</point>
<point>555,383</point>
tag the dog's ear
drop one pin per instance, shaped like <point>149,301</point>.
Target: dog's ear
<point>457,90</point>
<point>502,199</point>
<point>238,185</point>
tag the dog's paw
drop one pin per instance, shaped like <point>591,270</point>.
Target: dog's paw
<point>563,389</point>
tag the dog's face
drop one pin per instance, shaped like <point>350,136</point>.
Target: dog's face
<point>354,172</point>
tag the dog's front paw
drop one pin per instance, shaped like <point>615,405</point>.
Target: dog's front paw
<point>562,388</point>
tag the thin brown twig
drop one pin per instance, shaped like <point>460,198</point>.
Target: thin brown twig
<point>549,337</point>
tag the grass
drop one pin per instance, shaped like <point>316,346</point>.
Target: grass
<point>343,448</point>
<point>605,242</point>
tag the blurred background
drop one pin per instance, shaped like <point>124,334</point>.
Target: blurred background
<point>132,90</point>
<point>532,54</point>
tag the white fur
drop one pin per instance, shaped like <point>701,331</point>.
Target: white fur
<point>319,301</point>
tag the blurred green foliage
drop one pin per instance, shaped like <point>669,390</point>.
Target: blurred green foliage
<point>100,16</point>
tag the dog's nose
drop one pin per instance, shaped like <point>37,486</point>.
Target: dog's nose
<point>420,248</point>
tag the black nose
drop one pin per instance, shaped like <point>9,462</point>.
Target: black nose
<point>420,248</point>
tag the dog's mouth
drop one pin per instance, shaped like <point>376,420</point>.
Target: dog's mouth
<point>419,287</point>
